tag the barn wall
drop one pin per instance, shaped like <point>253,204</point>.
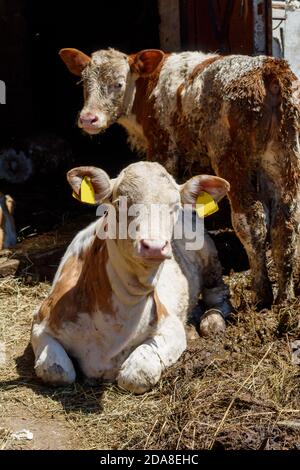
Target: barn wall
<point>16,114</point>
<point>169,27</point>
<point>229,26</point>
<point>38,121</point>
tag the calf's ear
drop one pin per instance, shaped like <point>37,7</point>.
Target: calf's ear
<point>144,63</point>
<point>99,181</point>
<point>215,186</point>
<point>75,60</point>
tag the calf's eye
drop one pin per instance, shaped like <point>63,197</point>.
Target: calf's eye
<point>115,87</point>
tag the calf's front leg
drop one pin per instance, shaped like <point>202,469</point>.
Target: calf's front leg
<point>215,292</point>
<point>143,368</point>
<point>52,363</point>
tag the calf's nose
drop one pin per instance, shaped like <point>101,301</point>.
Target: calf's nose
<point>88,119</point>
<point>159,249</point>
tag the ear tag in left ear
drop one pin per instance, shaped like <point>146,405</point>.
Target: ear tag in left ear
<point>87,193</point>
<point>205,205</point>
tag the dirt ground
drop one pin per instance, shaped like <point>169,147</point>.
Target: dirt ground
<point>240,390</point>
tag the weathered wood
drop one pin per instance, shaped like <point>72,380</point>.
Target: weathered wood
<point>8,267</point>
<point>169,27</point>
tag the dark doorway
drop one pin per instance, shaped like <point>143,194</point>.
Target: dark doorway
<point>43,98</point>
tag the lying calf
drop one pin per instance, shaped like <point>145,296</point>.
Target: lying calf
<point>118,304</point>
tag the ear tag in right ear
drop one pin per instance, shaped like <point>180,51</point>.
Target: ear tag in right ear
<point>87,193</point>
<point>205,205</point>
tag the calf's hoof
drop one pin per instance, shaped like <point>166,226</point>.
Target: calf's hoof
<point>212,323</point>
<point>132,385</point>
<point>53,369</point>
<point>141,370</point>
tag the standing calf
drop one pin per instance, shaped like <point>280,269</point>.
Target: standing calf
<point>118,305</point>
<point>235,114</point>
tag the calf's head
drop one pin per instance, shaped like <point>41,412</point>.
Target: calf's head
<point>146,200</point>
<point>109,82</point>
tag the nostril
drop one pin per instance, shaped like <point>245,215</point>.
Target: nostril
<point>88,119</point>
<point>145,245</point>
<point>154,245</point>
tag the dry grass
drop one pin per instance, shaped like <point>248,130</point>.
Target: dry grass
<point>236,391</point>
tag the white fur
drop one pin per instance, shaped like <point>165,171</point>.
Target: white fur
<point>143,368</point>
<point>174,72</point>
<point>136,136</point>
<point>52,363</point>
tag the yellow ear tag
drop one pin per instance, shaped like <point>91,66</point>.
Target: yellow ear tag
<point>87,193</point>
<point>205,205</point>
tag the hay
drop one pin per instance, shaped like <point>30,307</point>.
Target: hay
<point>235,391</point>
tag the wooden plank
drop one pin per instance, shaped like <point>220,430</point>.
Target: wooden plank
<point>169,27</point>
<point>9,267</point>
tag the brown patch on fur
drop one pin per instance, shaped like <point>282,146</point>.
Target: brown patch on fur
<point>278,80</point>
<point>202,66</point>
<point>160,309</point>
<point>58,305</point>
<point>83,287</point>
<point>143,109</point>
<point>195,72</point>
<point>178,97</point>
<point>259,111</point>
